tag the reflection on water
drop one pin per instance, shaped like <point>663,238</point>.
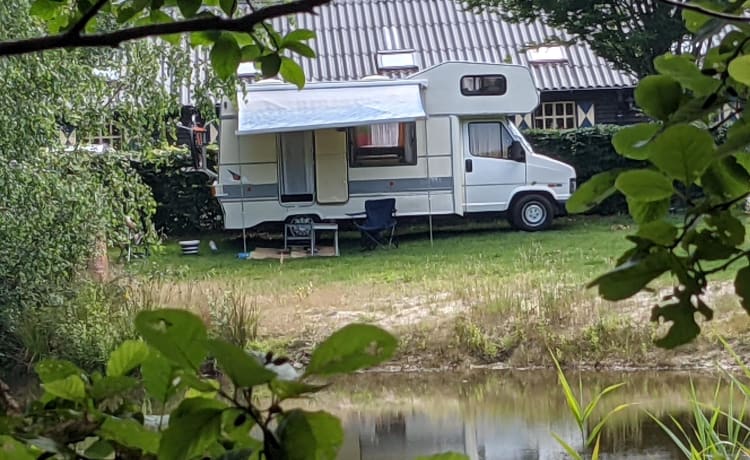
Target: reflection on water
<point>504,415</point>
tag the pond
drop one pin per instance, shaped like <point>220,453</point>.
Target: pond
<point>507,415</point>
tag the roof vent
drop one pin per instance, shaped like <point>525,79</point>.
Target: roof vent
<point>396,60</point>
<point>375,78</point>
<point>247,70</point>
<point>269,81</point>
<point>546,54</point>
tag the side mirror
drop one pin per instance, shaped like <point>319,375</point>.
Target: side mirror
<point>517,152</point>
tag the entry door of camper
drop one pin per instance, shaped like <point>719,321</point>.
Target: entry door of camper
<point>490,175</point>
<point>296,167</point>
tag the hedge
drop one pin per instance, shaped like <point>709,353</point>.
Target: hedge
<point>184,202</point>
<point>589,151</point>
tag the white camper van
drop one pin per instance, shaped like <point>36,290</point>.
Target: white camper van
<point>439,142</point>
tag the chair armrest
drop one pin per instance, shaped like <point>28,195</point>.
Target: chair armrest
<point>352,214</point>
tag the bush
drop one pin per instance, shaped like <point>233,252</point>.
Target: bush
<point>55,206</point>
<point>184,201</point>
<point>589,151</point>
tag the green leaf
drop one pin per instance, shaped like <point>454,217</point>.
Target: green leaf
<point>739,69</point>
<point>127,357</point>
<point>236,426</point>
<point>188,8</point>
<point>225,56</point>
<point>202,392</point>
<point>45,9</point>
<point>237,454</point>
<point>684,328</point>
<point>726,179</point>
<point>659,231</point>
<point>130,10</point>
<point>659,96</point>
<point>632,141</point>
<point>298,35</point>
<point>270,65</point>
<point>683,69</point>
<point>70,388</point>
<point>592,192</point>
<point>131,434</point>
<point>644,185</point>
<point>244,370</point>
<point>708,246</point>
<point>250,53</point>
<point>629,278</point>
<point>301,49</point>
<point>10,449</point>
<point>444,456</point>
<point>204,38</point>
<point>742,287</point>
<point>287,389</point>
<point>310,435</point>
<point>727,227</point>
<point>51,370</point>
<point>643,212</point>
<point>193,427</point>
<point>694,21</point>
<point>177,334</point>
<point>292,72</point>
<point>683,152</point>
<point>100,450</point>
<point>157,376</point>
<point>351,348</point>
<point>228,6</point>
<point>112,386</point>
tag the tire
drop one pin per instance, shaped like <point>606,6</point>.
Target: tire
<point>303,219</point>
<point>531,213</point>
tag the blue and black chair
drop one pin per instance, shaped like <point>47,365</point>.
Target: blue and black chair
<point>379,227</point>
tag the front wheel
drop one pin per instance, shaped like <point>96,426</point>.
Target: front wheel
<point>531,213</point>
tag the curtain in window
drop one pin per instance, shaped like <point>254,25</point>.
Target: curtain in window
<point>486,140</point>
<point>386,135</point>
<point>297,163</point>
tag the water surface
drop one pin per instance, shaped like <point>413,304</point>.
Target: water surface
<point>506,415</point>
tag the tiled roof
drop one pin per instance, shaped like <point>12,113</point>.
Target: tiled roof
<point>351,32</point>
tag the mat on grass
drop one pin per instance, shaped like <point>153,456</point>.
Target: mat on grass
<point>296,253</point>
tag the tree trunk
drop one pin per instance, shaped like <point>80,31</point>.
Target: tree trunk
<point>98,265</point>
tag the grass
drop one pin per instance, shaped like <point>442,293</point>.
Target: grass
<point>479,290</point>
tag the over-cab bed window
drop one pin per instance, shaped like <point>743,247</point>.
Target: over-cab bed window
<point>483,85</point>
<point>384,144</point>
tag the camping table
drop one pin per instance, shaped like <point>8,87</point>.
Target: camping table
<point>316,227</point>
<point>310,237</point>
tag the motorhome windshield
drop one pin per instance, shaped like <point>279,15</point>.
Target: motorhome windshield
<point>517,135</point>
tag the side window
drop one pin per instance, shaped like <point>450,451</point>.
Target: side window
<point>489,139</point>
<point>384,144</point>
<point>483,85</point>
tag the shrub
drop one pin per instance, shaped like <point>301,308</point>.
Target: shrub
<point>589,151</point>
<point>184,201</point>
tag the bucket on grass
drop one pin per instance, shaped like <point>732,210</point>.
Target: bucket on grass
<point>190,247</point>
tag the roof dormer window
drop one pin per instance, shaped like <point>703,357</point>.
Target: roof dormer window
<point>546,54</point>
<point>396,60</point>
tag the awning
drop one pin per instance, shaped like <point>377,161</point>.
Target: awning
<point>273,110</point>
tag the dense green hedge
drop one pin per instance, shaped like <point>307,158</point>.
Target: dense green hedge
<point>589,151</point>
<point>184,202</point>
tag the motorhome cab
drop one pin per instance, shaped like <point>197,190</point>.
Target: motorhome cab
<point>438,142</point>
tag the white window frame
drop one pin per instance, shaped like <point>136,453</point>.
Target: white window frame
<point>551,119</point>
<point>385,155</point>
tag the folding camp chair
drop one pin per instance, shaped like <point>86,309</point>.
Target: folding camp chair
<point>379,224</point>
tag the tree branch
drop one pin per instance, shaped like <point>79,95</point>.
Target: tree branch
<point>114,39</point>
<point>706,11</point>
<point>80,25</point>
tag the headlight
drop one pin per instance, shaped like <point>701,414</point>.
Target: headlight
<point>572,185</point>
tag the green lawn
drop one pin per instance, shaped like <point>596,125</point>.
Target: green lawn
<point>580,247</point>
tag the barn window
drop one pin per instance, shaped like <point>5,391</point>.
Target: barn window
<point>383,144</point>
<point>556,115</point>
<point>483,85</point>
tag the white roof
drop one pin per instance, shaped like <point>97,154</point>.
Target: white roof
<point>284,108</point>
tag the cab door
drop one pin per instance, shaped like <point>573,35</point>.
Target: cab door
<point>490,175</point>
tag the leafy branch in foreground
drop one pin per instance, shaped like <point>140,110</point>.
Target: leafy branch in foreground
<point>102,415</point>
<point>235,34</point>
<point>686,155</point>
